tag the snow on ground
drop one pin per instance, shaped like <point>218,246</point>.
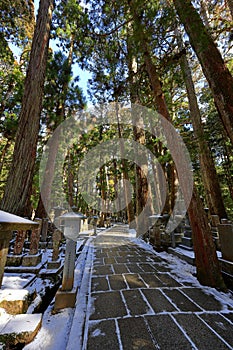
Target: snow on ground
<point>16,281</point>
<point>56,328</point>
<point>54,331</point>
<point>185,274</point>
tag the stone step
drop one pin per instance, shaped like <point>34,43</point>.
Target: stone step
<point>185,247</point>
<point>20,329</point>
<point>187,241</point>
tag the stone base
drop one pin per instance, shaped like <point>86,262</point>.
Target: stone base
<point>20,329</point>
<point>14,260</point>
<point>32,260</point>
<point>184,254</point>
<point>64,299</point>
<point>50,245</point>
<point>43,245</point>
<point>52,265</point>
<point>227,266</point>
<point>14,301</point>
<point>25,269</point>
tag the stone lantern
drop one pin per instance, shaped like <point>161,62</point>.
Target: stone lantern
<point>71,223</point>
<point>66,296</point>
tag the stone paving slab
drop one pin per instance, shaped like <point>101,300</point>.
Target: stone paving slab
<point>134,334</point>
<point>120,268</point>
<point>158,301</point>
<point>181,301</point>
<point>108,305</point>
<point>117,282</point>
<point>169,337</point>
<point>199,333</point>
<point>136,302</point>
<point>220,325</point>
<point>202,299</point>
<point>102,335</point>
<point>99,284</point>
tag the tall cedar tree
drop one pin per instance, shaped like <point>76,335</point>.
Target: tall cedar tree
<point>217,74</point>
<point>208,171</point>
<point>208,269</point>
<point>19,183</point>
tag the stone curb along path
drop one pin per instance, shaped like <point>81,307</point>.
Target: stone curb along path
<point>132,299</point>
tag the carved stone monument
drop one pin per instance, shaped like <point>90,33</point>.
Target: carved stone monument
<point>8,223</point>
<point>55,263</point>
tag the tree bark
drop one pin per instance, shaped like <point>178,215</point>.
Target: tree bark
<point>19,183</point>
<point>208,269</point>
<point>46,187</point>
<point>143,190</point>
<point>206,261</point>
<point>217,74</point>
<point>208,171</point>
<point>127,194</point>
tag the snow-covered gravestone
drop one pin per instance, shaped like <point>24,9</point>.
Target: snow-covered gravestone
<point>66,296</point>
<point>8,223</point>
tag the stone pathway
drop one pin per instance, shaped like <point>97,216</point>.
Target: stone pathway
<point>135,302</point>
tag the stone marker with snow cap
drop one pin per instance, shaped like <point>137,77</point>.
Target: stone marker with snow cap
<point>8,223</point>
<point>66,296</point>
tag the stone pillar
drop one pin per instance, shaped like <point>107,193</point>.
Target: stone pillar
<point>5,237</point>
<point>44,230</point>
<point>226,241</point>
<point>155,233</point>
<point>187,238</point>
<point>55,263</point>
<point>35,238</point>
<point>214,229</point>
<point>84,225</point>
<point>66,296</point>
<point>68,271</point>
<point>19,242</point>
<point>57,236</point>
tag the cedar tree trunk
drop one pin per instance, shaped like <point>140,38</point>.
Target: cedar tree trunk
<point>19,182</point>
<point>217,74</point>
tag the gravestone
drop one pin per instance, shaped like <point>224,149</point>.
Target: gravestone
<point>8,223</point>
<point>226,241</point>
<point>155,233</point>
<point>19,242</point>
<point>57,236</point>
<point>55,263</point>
<point>17,257</point>
<point>35,238</point>
<point>34,257</point>
<point>44,230</point>
<point>214,230</point>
